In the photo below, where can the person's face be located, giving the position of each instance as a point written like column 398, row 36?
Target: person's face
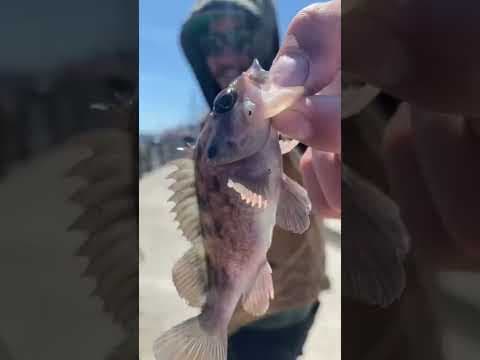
column 228, row 52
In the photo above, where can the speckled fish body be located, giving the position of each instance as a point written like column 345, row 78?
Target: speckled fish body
column 228, row 199
column 237, row 227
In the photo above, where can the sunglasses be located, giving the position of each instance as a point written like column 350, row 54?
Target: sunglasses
column 215, row 43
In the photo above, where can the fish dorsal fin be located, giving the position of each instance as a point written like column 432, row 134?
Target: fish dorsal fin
column 185, row 198
column 190, row 276
column 256, row 73
column 294, row 206
column 257, row 301
column 190, row 272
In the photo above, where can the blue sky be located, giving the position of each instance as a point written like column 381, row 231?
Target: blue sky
column 169, row 93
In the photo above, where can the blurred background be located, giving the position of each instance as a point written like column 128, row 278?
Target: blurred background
column 55, row 65
column 58, row 58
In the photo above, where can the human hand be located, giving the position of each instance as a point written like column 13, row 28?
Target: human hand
column 314, row 61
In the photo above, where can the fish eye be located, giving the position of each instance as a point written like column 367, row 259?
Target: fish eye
column 225, row 101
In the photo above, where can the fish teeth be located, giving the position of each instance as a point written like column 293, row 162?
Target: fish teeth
column 260, row 201
column 255, row 200
column 249, row 197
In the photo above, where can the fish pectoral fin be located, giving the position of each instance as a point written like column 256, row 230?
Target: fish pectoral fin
column 294, row 206
column 374, row 243
column 190, row 276
column 190, row 341
column 257, row 301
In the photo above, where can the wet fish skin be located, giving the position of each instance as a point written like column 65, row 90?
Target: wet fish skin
column 236, row 234
column 238, row 180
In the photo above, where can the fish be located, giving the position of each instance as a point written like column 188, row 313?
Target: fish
column 229, row 194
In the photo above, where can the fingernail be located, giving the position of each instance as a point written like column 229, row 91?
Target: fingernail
column 291, row 68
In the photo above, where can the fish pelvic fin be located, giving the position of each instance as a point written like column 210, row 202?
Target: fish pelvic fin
column 189, row 341
column 294, row 207
column 257, row 301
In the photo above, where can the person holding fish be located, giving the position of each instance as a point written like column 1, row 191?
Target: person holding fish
column 256, row 266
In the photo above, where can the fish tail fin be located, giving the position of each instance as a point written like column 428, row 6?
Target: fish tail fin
column 189, row 341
